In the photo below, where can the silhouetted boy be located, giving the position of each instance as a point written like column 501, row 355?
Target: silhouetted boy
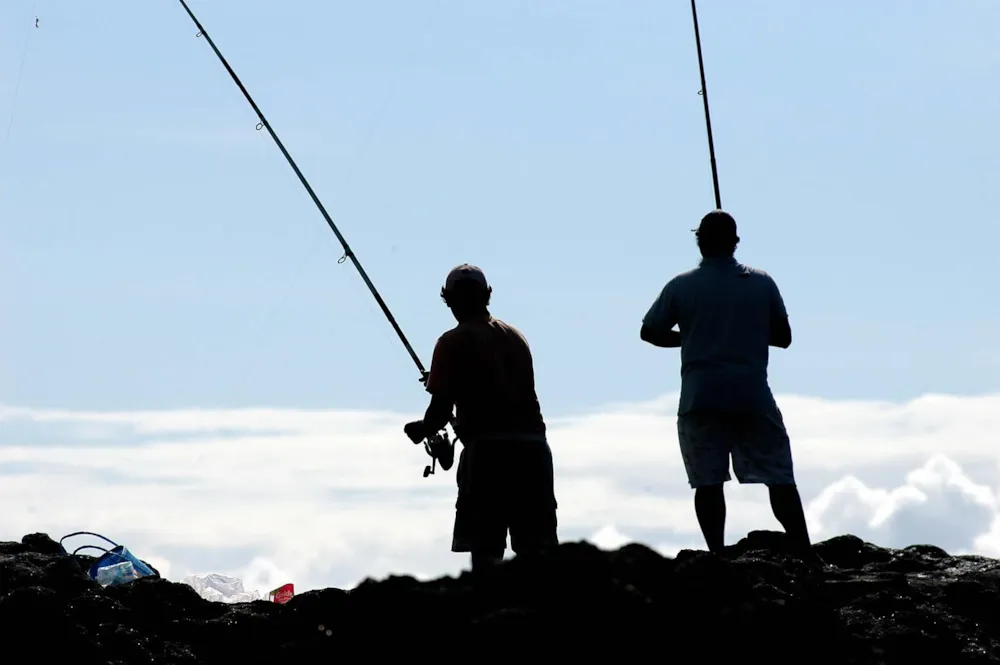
column 728, row 314
column 483, row 367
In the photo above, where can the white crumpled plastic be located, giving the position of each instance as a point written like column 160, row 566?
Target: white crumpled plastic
column 220, row 588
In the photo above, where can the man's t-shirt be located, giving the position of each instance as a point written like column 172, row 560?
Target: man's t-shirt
column 485, row 366
column 725, row 312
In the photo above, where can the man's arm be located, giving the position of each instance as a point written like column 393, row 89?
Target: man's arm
column 437, row 415
column 439, row 382
column 781, row 330
column 657, row 325
column 665, row 339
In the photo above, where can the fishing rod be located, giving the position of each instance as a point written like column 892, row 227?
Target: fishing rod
column 439, row 447
column 708, row 117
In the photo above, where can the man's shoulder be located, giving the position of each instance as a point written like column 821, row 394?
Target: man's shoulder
column 450, row 338
column 757, row 273
column 685, row 276
column 702, row 276
column 680, row 280
column 479, row 334
column 452, row 332
column 503, row 324
column 511, row 330
column 753, row 270
column 480, row 327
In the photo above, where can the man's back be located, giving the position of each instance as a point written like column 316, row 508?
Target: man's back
column 493, row 379
column 725, row 312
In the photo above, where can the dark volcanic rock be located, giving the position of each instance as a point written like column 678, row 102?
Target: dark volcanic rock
column 854, row 603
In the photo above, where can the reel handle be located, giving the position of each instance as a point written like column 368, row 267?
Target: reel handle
column 439, row 443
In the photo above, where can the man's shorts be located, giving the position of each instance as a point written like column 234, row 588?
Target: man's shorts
column 505, row 485
column 757, row 442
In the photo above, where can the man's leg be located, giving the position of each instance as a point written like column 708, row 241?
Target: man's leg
column 764, row 455
column 705, row 441
column 478, row 529
column 710, row 507
column 787, row 507
column 531, row 487
column 483, row 560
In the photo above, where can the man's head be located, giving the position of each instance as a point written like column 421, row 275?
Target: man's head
column 466, row 291
column 717, row 235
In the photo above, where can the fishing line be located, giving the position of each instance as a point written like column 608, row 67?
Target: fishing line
column 708, row 117
column 348, row 252
column 310, row 253
column 20, row 72
column 435, row 445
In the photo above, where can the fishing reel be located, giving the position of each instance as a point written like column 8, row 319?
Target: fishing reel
column 441, row 449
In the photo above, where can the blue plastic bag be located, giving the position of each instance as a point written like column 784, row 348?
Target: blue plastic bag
column 117, row 554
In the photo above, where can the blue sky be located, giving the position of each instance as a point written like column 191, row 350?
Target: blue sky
column 157, row 252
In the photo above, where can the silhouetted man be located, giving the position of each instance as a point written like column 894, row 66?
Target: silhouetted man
column 483, row 368
column 728, row 314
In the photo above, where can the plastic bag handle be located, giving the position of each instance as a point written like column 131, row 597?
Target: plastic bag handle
column 91, row 547
column 88, row 533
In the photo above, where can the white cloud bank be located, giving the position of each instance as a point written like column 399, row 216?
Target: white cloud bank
column 325, row 498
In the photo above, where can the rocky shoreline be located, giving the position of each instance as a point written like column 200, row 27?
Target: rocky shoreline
column 759, row 604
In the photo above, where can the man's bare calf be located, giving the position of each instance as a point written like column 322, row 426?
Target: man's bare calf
column 710, row 507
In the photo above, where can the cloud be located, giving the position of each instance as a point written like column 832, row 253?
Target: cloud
column 326, row 498
column 936, row 504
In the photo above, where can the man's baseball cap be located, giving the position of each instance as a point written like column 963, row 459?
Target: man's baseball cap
column 717, row 224
column 463, row 273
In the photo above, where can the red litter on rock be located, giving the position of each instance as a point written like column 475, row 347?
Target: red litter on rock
column 283, row 593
